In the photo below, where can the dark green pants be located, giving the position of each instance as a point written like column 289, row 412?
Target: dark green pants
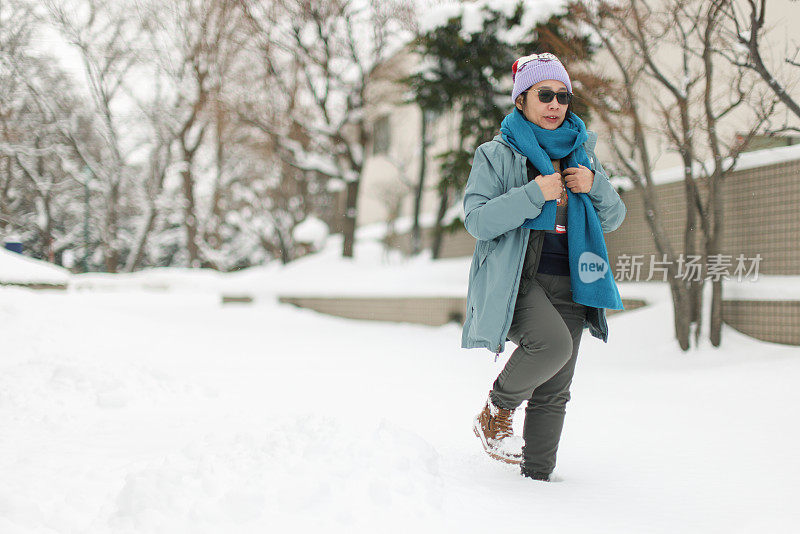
column 547, row 328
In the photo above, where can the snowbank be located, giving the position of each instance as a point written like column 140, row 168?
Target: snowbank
column 22, row 270
column 373, row 272
column 171, row 279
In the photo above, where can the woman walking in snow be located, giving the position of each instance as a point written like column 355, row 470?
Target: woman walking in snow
column 538, row 202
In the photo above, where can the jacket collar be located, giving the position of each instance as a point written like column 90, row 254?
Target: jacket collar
column 499, row 139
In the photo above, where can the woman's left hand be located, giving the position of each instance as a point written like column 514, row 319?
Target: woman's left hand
column 579, row 179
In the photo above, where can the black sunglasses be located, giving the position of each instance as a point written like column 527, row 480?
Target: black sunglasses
column 546, row 96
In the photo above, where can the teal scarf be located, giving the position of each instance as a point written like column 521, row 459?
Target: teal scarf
column 588, row 258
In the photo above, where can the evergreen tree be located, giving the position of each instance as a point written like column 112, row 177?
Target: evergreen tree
column 467, row 71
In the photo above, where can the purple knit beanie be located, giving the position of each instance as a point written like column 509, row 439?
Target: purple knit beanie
column 530, row 70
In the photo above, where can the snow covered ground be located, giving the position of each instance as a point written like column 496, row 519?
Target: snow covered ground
column 143, row 405
column 18, row 269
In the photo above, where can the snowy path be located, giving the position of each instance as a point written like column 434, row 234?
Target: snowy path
column 130, row 412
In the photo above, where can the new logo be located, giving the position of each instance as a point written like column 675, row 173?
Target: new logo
column 591, row 267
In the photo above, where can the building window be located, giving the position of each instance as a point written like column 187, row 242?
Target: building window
column 381, row 135
column 760, row 142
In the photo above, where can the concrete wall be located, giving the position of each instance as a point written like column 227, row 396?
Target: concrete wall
column 432, row 311
column 762, row 216
column 776, row 321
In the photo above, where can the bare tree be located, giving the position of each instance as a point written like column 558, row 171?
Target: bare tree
column 104, row 33
column 746, row 26
column 425, row 142
column 329, row 52
column 150, row 149
column 277, row 191
column 195, row 54
column 692, row 99
column 159, row 159
column 37, row 189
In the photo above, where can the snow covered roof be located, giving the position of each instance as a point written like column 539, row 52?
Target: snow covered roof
column 22, row 270
column 747, row 160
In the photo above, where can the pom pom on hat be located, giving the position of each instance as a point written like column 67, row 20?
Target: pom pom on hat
column 530, row 70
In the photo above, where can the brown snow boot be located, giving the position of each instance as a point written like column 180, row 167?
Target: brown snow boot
column 493, row 427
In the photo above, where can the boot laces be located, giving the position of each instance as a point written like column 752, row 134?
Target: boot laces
column 503, row 422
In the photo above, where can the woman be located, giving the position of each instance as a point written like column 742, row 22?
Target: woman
column 538, row 203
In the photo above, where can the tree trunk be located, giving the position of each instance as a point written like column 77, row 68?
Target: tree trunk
column 190, row 219
column 715, row 335
column 680, row 294
column 438, row 232
column 158, row 164
column 714, row 245
column 681, row 308
column 137, row 254
column 47, row 229
column 695, row 289
column 349, row 220
column 416, row 233
column 111, row 231
column 6, row 184
column 286, row 256
column 355, row 164
column 214, row 236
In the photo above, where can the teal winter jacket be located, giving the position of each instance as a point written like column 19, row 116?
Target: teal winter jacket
column 497, row 200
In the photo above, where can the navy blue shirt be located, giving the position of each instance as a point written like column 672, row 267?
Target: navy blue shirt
column 555, row 249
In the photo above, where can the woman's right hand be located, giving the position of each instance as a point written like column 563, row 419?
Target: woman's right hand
column 551, row 185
